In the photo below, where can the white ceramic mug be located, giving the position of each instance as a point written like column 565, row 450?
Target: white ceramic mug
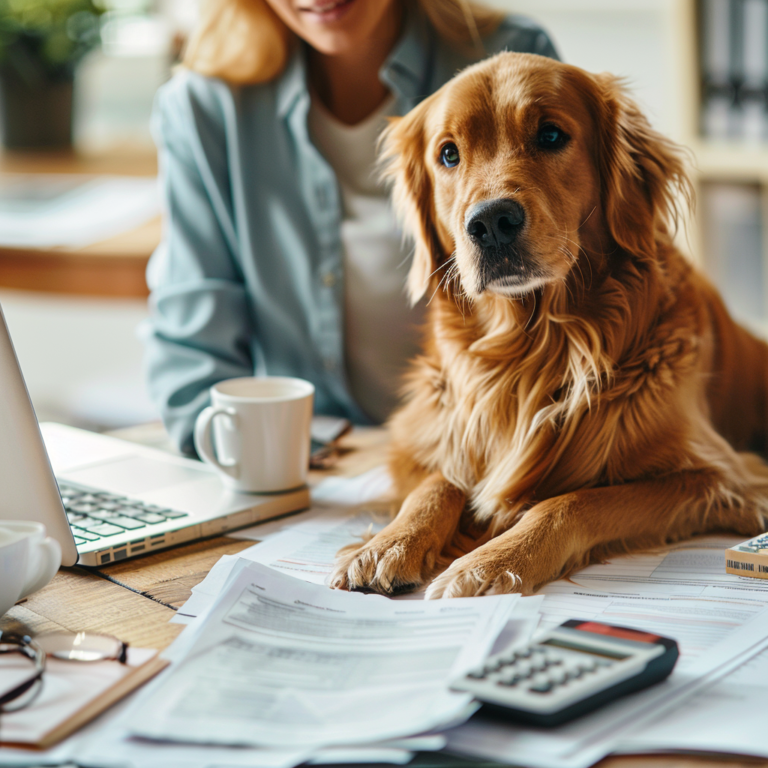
column 260, row 427
column 28, row 560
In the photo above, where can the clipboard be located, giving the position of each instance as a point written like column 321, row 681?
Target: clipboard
column 73, row 694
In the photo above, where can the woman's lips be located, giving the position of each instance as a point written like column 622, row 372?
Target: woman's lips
column 326, row 12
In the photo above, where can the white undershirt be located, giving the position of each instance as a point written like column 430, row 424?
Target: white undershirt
column 381, row 330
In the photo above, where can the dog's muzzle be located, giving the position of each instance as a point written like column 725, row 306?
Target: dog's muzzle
column 494, row 226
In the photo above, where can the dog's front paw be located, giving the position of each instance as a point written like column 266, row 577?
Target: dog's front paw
column 388, row 563
column 469, row 576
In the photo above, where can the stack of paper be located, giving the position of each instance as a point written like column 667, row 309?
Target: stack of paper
column 282, row 663
column 275, row 669
column 719, row 621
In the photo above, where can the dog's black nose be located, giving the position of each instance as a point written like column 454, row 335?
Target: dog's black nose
column 495, row 223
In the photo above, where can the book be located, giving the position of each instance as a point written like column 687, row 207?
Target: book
column 750, row 558
column 73, row 694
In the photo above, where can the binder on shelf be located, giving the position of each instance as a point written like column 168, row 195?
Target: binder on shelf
column 752, row 97
column 734, row 69
column 716, row 58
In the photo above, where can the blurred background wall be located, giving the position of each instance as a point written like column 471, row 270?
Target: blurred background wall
column 82, row 356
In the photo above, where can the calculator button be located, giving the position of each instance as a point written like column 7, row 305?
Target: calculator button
column 603, row 663
column 476, row 674
column 526, row 674
column 544, row 687
column 510, row 682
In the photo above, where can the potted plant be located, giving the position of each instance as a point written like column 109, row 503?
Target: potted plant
column 41, row 43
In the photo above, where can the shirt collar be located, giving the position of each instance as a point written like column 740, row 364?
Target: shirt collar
column 407, row 68
column 405, row 72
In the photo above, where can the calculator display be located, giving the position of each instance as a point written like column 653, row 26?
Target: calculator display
column 623, row 633
column 573, row 646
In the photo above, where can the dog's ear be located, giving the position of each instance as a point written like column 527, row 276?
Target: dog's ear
column 402, row 163
column 644, row 183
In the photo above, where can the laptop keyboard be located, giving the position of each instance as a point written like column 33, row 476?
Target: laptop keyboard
column 95, row 515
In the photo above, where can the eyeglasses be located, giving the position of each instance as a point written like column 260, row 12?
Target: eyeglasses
column 67, row 646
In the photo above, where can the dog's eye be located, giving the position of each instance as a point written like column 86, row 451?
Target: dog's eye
column 551, row 137
column 449, row 155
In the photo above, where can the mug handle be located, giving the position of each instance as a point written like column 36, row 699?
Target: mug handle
column 50, row 556
column 204, row 444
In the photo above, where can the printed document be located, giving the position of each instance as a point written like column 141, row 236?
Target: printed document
column 282, row 663
column 726, row 717
column 304, row 547
column 695, row 567
column 716, row 632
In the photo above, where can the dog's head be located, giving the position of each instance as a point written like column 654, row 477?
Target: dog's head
column 520, row 165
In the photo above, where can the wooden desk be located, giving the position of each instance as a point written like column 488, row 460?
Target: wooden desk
column 112, row 268
column 134, row 600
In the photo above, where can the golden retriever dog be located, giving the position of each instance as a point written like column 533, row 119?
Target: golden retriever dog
column 582, row 389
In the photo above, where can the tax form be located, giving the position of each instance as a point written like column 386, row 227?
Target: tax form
column 695, row 567
column 728, row 717
column 717, row 629
column 282, row 663
column 305, row 546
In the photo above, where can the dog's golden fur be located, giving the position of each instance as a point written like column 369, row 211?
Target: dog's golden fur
column 600, row 399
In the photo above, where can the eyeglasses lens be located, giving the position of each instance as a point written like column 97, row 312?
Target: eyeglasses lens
column 22, row 661
column 82, row 646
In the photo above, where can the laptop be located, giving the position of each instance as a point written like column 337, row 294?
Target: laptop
column 105, row 499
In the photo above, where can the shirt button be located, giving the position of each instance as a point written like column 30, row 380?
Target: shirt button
column 329, row 279
column 329, row 364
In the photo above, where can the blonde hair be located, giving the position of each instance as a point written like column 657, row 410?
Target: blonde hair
column 244, row 41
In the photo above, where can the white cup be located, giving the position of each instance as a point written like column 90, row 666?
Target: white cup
column 28, row 560
column 260, row 427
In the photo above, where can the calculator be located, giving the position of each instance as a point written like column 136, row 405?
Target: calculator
column 570, row 671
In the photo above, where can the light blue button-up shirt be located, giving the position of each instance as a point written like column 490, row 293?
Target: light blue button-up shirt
column 249, row 276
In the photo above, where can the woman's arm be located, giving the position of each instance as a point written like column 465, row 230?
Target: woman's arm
column 200, row 327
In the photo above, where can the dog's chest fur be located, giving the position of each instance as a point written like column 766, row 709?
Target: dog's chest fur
column 513, row 415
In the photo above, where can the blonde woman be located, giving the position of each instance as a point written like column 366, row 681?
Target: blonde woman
column 280, row 253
